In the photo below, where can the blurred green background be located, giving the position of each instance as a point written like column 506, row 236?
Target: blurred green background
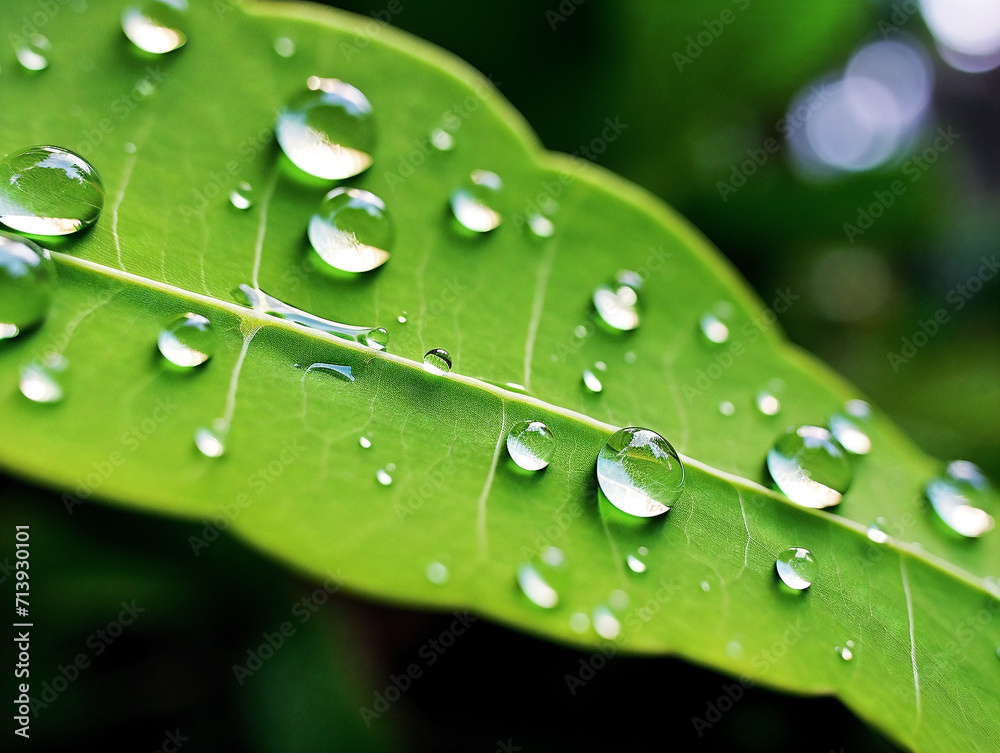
column 697, row 92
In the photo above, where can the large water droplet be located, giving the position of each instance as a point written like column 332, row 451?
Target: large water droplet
column 375, row 338
column 715, row 324
column 27, row 281
column 241, row 197
column 328, row 131
column 797, row 568
column 187, row 341
column 959, row 497
column 437, row 573
column 809, row 466
column 617, row 304
column 32, row 52
column 38, row 379
column 48, row 190
column 211, row 440
column 531, row 445
column 640, row 472
column 437, row 361
column 474, row 204
column 156, row 26
column 351, row 230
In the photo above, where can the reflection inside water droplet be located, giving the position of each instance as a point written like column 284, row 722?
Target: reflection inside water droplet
column 437, row 361
column 38, row 379
column 383, row 477
column 809, row 466
column 474, row 204
column 156, row 26
column 959, row 499
column 351, row 231
column 797, row 568
column 241, row 197
column 531, row 445
column 640, row 472
column 27, row 284
column 211, row 440
column 187, row 341
column 32, row 51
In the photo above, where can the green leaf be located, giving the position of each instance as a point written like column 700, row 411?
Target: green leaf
column 294, row 480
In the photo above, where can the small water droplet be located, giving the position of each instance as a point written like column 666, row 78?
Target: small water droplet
column 635, row 564
column 876, row 531
column 606, row 624
column 474, row 204
column 768, row 403
column 715, row 324
column 328, row 131
column 959, row 497
column 630, row 357
column 591, row 381
column 629, row 278
column 442, row 140
column 48, row 190
column 734, row 650
column 129, row 147
column 553, row 556
column 618, row 599
column 531, row 445
column 284, row 46
column 27, row 283
column 365, row 442
column 639, row 472
column 437, row 573
column 536, row 587
column 580, row 622
column 705, row 586
column 437, row 361
column 156, row 26
column 858, row 409
column 810, row 467
column 401, row 318
column 38, row 379
column 340, row 371
column 241, row 197
column 726, row 408
column 797, row 568
column 617, row 305
column 211, row 440
column 541, row 226
column 845, row 652
column 383, row 477
column 32, row 52
column 847, row 431
column 187, row 341
column 351, row 231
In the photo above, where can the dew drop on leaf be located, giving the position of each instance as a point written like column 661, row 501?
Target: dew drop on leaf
column 156, row 26
column 635, row 564
column 39, row 381
column 241, row 197
column 365, row 442
column 849, row 433
column 846, row 652
column 32, row 51
column 328, row 131
column 705, row 586
column 211, row 440
column 474, row 204
column 640, row 472
column 715, row 324
column 351, row 231
column 284, row 46
column 535, row 585
column 437, row 573
column 606, row 624
column 726, row 408
column 437, row 361
column 442, row 140
column 48, row 190
column 810, row 467
column 383, row 477
column 541, row 226
column 959, row 497
column 876, row 531
column 796, row 567
column 531, row 445
column 591, row 381
column 187, row 341
column 768, row 403
column 617, row 305
column 27, row 282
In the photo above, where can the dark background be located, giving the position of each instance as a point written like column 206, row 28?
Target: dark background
column 172, row 670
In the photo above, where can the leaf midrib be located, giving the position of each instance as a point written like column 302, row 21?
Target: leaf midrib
column 260, row 319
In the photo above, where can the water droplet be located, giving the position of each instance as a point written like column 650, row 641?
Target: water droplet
column 579, row 622
column 383, row 477
column 129, row 147
column 541, row 226
column 536, row 587
column 531, row 445
column 187, row 341
column 328, row 131
column 959, row 497
column 437, row 361
column 553, row 556
column 705, row 586
column 617, row 305
column 640, row 472
column 340, row 371
column 726, row 408
column 442, row 140
column 618, row 599
column 629, row 278
column 241, row 197
column 768, row 403
column 845, row 652
column 591, row 382
column 797, row 568
column 401, row 318
column 849, row 434
column 156, row 26
column 580, row 331
column 437, row 573
column 32, row 52
column 211, row 440
column 38, row 379
column 27, row 282
column 715, row 324
column 630, row 357
column 858, row 409
column 606, row 624
column 284, row 46
column 475, row 203
column 635, row 564
column 365, row 442
column 810, row 467
column 48, row 190
column 375, row 338
column 734, row 650
column 351, row 230
column 876, row 531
